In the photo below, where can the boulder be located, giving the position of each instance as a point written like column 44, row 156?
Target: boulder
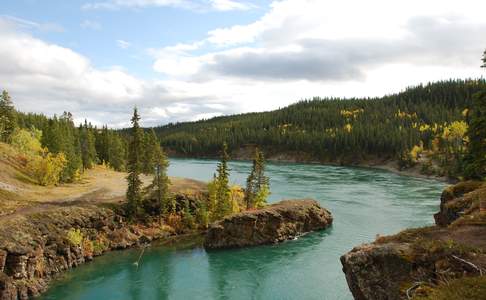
column 275, row 223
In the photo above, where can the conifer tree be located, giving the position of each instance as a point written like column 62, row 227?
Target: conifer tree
column 151, row 147
column 88, row 147
column 475, row 160
column 223, row 193
column 161, row 182
column 134, row 193
column 484, row 60
column 116, row 152
column 8, row 117
column 257, row 184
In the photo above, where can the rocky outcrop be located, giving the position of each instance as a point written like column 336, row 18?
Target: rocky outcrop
column 369, row 268
column 455, row 201
column 418, row 262
column 34, row 248
column 275, row 223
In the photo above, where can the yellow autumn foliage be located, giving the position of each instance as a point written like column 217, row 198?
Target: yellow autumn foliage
column 47, row 169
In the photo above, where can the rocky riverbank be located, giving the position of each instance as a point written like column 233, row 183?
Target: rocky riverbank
column 425, row 263
column 36, row 247
column 275, row 223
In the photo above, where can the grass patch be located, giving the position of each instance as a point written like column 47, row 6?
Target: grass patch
column 467, row 288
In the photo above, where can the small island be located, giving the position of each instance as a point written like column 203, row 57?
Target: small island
column 275, row 223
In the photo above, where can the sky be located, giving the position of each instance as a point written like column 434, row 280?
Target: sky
column 185, row 60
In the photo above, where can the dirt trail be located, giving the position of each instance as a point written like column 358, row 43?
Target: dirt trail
column 99, row 185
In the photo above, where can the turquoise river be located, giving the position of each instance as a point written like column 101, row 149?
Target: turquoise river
column 364, row 203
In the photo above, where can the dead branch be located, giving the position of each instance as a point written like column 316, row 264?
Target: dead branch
column 469, row 264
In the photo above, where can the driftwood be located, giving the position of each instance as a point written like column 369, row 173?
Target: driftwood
column 469, row 264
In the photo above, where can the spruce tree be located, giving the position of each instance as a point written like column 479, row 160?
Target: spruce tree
column 134, row 193
column 484, row 60
column 116, row 152
column 8, row 117
column 223, row 194
column 475, row 161
column 161, row 182
column 151, row 147
column 88, row 147
column 257, row 184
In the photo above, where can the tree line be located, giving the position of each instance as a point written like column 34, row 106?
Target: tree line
column 340, row 130
column 60, row 151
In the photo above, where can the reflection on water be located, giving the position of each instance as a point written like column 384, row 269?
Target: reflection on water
column 364, row 203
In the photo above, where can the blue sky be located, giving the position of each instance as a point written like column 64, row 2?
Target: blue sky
column 95, row 32
column 181, row 60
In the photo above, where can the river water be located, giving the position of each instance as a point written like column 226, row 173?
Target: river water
column 364, row 203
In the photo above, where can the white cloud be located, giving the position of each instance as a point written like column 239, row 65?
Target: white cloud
column 90, row 24
column 226, row 5
column 50, row 79
column 27, row 24
column 123, row 44
column 196, row 5
column 321, row 41
column 298, row 49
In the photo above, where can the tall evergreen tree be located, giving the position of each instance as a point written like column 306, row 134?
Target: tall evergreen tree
column 475, row 160
column 223, row 193
column 8, row 117
column 151, row 147
column 161, row 182
column 484, row 60
column 257, row 184
column 69, row 145
column 134, row 193
column 116, row 152
column 88, row 147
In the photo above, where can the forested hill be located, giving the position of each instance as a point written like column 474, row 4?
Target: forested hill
column 334, row 129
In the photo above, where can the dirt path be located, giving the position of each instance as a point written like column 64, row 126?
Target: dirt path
column 97, row 186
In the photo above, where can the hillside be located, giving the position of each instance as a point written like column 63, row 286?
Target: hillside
column 19, row 194
column 333, row 129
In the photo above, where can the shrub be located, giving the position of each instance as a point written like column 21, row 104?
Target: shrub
column 27, row 142
column 75, row 237
column 100, row 245
column 46, row 170
column 175, row 221
column 88, row 247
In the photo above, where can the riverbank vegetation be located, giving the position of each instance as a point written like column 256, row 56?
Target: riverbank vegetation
column 222, row 199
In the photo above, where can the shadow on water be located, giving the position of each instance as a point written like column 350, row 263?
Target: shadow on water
column 243, row 273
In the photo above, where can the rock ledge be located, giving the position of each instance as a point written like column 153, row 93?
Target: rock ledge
column 275, row 223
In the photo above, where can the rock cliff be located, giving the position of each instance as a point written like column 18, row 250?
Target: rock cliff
column 275, row 223
column 426, row 262
column 35, row 247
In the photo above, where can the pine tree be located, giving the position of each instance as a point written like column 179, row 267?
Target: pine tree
column 151, row 147
column 484, row 60
column 250, row 187
column 257, row 184
column 8, row 117
column 223, row 193
column 134, row 193
column 475, row 161
column 116, row 152
column 69, row 145
column 88, row 147
column 161, row 182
